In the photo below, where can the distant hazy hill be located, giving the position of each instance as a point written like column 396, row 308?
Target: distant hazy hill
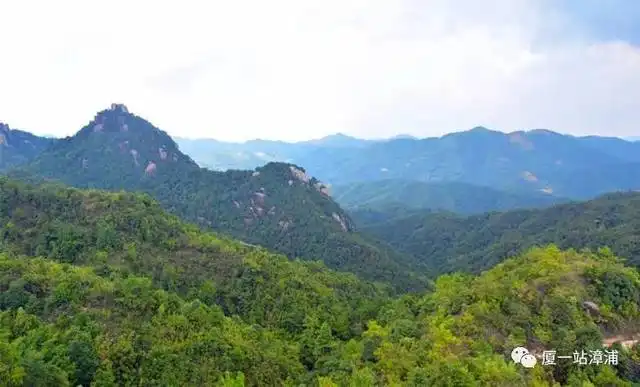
column 219, row 155
column 532, row 161
column 277, row 206
column 448, row 242
column 456, row 197
column 18, row 147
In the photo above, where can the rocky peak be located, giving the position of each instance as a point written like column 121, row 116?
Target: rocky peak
column 119, row 107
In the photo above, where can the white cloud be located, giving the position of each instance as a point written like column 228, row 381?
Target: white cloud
column 291, row 69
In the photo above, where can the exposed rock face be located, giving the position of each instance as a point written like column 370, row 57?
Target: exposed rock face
column 255, row 174
column 85, row 163
column 235, row 203
column 290, row 182
column 300, row 175
column 134, row 154
column 322, row 188
column 151, row 168
column 4, row 134
column 591, row 307
column 163, row 153
column 284, row 224
column 259, row 197
column 339, row 219
column 119, row 107
column 124, row 128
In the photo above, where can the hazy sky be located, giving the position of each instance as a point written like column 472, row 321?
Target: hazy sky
column 299, row 69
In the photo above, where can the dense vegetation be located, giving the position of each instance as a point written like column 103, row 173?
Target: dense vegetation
column 448, row 242
column 122, row 233
column 277, row 206
column 63, row 325
column 456, row 197
column 107, row 288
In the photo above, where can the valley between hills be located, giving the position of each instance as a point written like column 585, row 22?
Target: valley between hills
column 132, row 258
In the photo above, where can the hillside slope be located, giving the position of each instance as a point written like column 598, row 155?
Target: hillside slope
column 447, row 242
column 462, row 333
column 119, row 234
column 63, row 325
column 18, row 147
column 277, row 206
column 448, row 196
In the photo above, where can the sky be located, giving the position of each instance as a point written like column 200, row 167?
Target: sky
column 294, row 70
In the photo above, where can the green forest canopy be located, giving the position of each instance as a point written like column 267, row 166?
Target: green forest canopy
column 124, row 294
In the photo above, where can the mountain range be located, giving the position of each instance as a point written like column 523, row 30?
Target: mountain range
column 278, row 205
column 523, row 162
column 151, row 270
column 448, row 242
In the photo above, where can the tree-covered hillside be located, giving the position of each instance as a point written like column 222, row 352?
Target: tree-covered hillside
column 63, row 325
column 18, row 147
column 448, row 242
column 456, row 197
column 124, row 294
column 123, row 233
column 277, row 206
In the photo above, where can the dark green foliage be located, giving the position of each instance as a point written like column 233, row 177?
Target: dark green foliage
column 276, row 206
column 176, row 306
column 124, row 233
column 447, row 242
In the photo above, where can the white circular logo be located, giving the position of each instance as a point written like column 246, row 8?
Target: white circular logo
column 518, row 353
column 528, row 361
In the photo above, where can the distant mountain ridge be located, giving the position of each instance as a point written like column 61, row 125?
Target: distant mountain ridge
column 523, row 161
column 278, row 206
column 18, row 147
column 455, row 197
column 448, row 242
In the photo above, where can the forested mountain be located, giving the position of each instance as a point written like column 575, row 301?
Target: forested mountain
column 449, row 242
column 277, row 206
column 525, row 161
column 456, row 197
column 124, row 294
column 18, row 147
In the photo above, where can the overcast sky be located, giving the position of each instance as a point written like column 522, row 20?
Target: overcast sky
column 297, row 69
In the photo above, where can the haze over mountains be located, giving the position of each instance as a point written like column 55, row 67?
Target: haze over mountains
column 527, row 164
column 410, row 216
